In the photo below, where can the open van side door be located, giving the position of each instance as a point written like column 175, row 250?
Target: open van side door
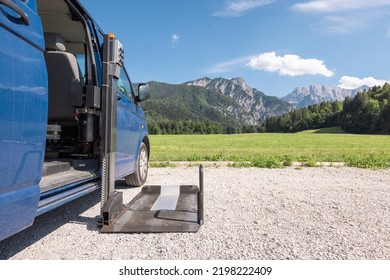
column 23, row 114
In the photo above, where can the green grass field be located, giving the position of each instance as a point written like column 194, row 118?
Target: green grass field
column 274, row 150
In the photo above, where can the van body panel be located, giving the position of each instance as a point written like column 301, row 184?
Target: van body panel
column 23, row 117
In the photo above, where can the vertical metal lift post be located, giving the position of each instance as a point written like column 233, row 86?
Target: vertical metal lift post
column 166, row 208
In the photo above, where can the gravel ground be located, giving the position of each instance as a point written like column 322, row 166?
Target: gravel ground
column 250, row 213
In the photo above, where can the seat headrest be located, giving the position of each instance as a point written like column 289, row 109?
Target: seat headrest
column 55, row 42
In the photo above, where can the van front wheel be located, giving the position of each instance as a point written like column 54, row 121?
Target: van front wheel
column 138, row 178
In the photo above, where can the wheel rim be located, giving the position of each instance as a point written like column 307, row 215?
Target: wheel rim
column 143, row 163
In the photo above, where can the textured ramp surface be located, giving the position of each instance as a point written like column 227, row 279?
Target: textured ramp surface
column 160, row 209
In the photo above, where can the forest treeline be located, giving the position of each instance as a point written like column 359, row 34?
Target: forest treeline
column 367, row 112
column 199, row 127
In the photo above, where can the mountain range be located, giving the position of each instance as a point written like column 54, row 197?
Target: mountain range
column 255, row 106
column 230, row 101
column 302, row 97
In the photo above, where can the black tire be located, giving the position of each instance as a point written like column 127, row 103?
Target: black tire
column 138, row 178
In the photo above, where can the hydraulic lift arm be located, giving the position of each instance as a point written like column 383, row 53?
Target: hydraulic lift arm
column 161, row 208
column 111, row 201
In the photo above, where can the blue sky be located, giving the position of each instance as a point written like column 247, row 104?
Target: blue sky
column 275, row 45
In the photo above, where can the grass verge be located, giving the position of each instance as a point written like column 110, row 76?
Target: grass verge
column 274, row 150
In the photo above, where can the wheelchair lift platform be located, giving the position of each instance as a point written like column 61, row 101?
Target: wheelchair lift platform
column 165, row 208
column 156, row 208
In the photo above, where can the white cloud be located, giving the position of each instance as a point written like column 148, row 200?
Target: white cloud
column 343, row 24
column 343, row 16
column 289, row 65
column 235, row 8
column 330, row 6
column 354, row 82
column 175, row 39
column 227, row 66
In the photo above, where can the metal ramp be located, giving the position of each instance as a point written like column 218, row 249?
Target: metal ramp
column 166, row 208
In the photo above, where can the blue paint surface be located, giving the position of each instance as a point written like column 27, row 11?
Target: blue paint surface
column 23, row 117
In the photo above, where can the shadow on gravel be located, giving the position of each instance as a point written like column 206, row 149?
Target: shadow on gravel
column 52, row 220
column 121, row 185
column 49, row 222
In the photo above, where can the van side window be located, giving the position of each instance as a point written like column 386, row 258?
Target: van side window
column 124, row 85
column 82, row 65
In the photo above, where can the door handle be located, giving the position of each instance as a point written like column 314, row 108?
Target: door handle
column 10, row 4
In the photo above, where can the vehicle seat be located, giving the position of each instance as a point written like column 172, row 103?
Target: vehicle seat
column 65, row 82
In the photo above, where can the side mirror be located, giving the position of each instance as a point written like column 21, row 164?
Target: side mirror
column 143, row 93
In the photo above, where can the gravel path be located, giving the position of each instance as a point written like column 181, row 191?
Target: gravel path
column 308, row 213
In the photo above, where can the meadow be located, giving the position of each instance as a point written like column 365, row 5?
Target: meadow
column 274, row 150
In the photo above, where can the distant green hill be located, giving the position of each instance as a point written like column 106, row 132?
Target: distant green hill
column 178, row 102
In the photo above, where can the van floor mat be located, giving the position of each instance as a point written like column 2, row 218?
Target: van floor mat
column 166, row 208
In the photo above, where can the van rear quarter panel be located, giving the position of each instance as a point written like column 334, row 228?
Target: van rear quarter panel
column 23, row 117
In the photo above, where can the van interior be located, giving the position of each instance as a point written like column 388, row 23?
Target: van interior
column 71, row 145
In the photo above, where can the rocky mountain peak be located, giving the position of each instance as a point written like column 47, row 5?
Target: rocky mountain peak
column 302, row 97
column 203, row 82
column 239, row 81
column 256, row 106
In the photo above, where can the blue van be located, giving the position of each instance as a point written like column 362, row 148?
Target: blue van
column 52, row 86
